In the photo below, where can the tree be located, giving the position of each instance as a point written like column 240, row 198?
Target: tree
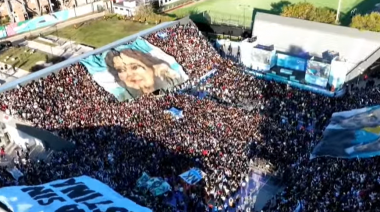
column 307, row 11
column 144, row 11
column 277, row 7
column 370, row 22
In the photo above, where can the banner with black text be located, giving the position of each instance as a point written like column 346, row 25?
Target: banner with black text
column 79, row 194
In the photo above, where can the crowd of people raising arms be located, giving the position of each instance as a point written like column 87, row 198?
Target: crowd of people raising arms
column 220, row 139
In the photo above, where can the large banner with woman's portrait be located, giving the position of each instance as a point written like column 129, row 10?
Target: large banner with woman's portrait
column 132, row 70
column 351, row 134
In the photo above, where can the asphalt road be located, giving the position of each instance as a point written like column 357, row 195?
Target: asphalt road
column 60, row 25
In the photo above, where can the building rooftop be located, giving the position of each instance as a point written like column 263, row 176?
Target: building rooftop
column 297, row 36
column 316, row 26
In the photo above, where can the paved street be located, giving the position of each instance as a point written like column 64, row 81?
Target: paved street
column 9, row 74
column 66, row 48
column 69, row 49
column 59, row 26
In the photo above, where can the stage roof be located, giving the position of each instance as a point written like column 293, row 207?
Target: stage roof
column 295, row 36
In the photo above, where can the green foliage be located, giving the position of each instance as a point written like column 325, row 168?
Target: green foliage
column 309, row 12
column 370, row 22
column 277, row 7
column 147, row 14
column 5, row 20
column 107, row 30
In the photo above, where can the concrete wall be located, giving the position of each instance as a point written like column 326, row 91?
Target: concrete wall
column 55, row 68
column 166, row 2
column 22, row 132
column 89, row 8
column 22, row 139
column 84, row 2
column 122, row 10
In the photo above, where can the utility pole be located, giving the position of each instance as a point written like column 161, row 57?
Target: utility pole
column 50, row 7
column 24, row 8
column 56, row 30
column 10, row 11
column 338, row 11
column 244, row 6
column 51, row 50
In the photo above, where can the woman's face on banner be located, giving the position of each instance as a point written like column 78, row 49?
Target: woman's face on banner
column 135, row 74
column 137, row 77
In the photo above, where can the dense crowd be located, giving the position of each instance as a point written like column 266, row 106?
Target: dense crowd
column 220, row 139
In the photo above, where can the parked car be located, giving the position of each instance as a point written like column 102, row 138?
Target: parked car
column 5, row 44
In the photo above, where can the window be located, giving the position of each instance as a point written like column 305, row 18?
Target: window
column 116, row 8
column 121, row 9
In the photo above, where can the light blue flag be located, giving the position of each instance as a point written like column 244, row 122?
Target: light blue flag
column 158, row 186
column 299, row 207
column 176, row 113
column 192, row 176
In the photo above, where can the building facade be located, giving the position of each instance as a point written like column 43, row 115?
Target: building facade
column 126, row 7
column 21, row 10
column 166, row 2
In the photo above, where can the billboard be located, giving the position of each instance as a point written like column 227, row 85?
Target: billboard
column 317, row 73
column 36, row 23
column 273, row 59
column 82, row 193
column 338, row 73
column 255, row 58
column 132, row 70
column 351, row 134
column 290, row 62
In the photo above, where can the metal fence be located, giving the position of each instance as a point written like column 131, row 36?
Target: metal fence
column 175, row 5
column 219, row 18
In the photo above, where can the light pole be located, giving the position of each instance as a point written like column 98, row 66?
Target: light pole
column 51, row 50
column 244, row 6
column 71, row 43
column 338, row 11
column 56, row 30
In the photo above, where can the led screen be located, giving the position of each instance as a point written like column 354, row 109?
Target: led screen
column 317, row 73
column 290, row 62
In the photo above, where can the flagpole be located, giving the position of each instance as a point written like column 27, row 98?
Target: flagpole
column 338, row 11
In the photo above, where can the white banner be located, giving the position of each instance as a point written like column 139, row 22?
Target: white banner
column 80, row 194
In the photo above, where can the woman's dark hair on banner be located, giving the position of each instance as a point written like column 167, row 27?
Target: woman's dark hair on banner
column 140, row 73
